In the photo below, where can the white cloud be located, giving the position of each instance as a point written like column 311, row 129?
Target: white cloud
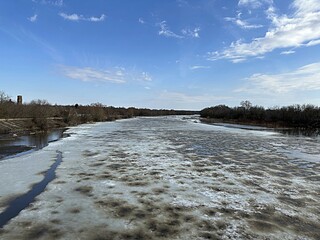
column 306, row 6
column 193, row 33
column 243, row 23
column 145, row 77
column 87, row 74
column 253, row 3
column 182, row 3
column 71, row 17
column 97, row 19
column 302, row 79
column 57, row 3
column 112, row 75
column 199, row 67
column 165, row 31
column 185, row 33
column 141, row 21
column 76, row 17
column 287, row 52
column 313, row 43
column 33, row 18
column 301, row 29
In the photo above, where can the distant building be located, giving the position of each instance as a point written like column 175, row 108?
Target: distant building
column 19, row 99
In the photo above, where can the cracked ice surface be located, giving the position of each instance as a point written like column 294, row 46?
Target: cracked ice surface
column 169, row 178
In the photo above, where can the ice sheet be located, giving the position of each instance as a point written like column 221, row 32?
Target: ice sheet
column 168, row 178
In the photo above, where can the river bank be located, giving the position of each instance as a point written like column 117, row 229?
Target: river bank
column 263, row 126
column 24, row 126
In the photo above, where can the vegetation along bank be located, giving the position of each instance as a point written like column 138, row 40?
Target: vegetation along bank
column 295, row 116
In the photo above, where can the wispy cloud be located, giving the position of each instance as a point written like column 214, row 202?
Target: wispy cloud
column 111, row 75
column 165, row 31
column 146, row 77
column 140, row 20
column 253, row 3
column 199, row 67
column 33, row 18
column 71, row 17
column 185, row 33
column 88, row 74
column 182, row 3
column 305, row 78
column 96, row 19
column 57, row 3
column 301, row 29
column 193, row 33
column 287, row 52
column 242, row 23
column 24, row 36
column 76, row 17
column 43, row 44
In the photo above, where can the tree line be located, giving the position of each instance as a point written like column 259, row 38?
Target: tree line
column 305, row 116
column 41, row 113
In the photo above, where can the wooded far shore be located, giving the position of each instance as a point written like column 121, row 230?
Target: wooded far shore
column 39, row 115
column 294, row 116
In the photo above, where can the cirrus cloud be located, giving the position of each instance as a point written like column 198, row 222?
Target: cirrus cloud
column 185, row 33
column 165, row 31
column 76, row 17
column 33, row 18
column 88, row 74
column 118, row 75
column 56, row 3
column 301, row 29
column 254, row 3
column 199, row 67
column 242, row 23
column 305, row 78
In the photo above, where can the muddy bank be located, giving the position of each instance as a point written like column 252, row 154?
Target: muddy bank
column 24, row 126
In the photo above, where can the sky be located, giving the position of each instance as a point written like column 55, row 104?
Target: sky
column 172, row 54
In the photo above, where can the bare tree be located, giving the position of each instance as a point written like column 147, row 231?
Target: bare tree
column 246, row 104
column 4, row 97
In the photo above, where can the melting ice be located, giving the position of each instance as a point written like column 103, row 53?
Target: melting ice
column 168, row 178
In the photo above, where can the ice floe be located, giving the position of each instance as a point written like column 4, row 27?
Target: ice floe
column 167, row 178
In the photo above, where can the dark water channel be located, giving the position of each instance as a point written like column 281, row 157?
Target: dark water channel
column 21, row 202
column 11, row 146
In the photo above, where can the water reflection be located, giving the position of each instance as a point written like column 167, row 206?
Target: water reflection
column 22, row 144
column 295, row 132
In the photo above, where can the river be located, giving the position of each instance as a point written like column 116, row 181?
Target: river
column 11, row 146
column 168, row 178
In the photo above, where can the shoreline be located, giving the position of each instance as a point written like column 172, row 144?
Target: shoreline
column 12, row 151
column 15, row 145
column 251, row 125
column 26, row 126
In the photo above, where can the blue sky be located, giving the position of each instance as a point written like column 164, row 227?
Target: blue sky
column 175, row 54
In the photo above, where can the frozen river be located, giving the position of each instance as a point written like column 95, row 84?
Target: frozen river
column 167, row 178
